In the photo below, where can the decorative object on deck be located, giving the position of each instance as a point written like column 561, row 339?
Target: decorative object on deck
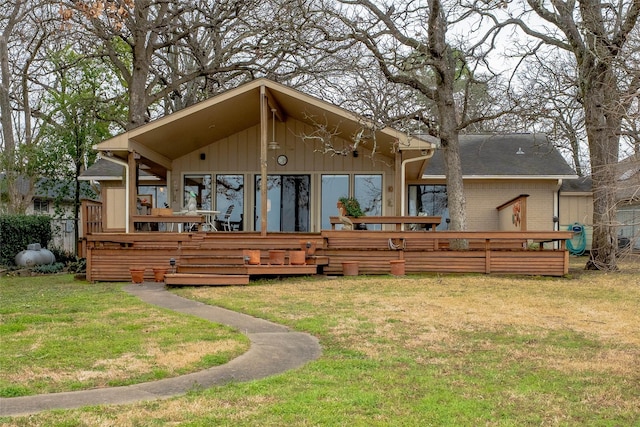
column 397, row 267
column 309, row 246
column 137, row 274
column 192, row 204
column 397, row 244
column 276, row 257
column 251, row 256
column 159, row 273
column 348, row 208
column 297, row 257
column 350, row 268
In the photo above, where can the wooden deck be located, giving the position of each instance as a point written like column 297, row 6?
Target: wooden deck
column 220, row 255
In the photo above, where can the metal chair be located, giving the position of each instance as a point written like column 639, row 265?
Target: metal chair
column 225, row 222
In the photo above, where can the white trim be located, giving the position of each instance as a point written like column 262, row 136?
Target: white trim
column 511, row 177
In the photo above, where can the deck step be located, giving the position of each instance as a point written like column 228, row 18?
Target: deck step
column 252, row 270
column 191, row 279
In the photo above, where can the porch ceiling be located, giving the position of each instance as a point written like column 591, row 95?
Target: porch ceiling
column 202, row 124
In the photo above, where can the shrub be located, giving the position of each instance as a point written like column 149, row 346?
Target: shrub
column 49, row 268
column 18, row 231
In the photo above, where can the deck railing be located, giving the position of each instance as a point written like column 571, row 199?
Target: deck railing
column 91, row 217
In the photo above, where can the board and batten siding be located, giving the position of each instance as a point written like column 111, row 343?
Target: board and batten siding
column 484, row 196
column 240, row 154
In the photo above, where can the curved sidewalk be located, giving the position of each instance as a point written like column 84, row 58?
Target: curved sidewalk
column 274, row 349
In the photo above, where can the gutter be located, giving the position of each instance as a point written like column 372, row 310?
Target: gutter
column 403, row 173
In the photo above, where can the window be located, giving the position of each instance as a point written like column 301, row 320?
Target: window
column 200, row 185
column 230, row 191
column 430, row 200
column 333, row 187
column 40, row 206
column 368, row 191
column 158, row 194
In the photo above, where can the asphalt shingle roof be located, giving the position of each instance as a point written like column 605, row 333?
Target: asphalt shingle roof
column 525, row 155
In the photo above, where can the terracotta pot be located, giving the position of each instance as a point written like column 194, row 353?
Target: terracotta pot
column 350, row 268
column 309, row 246
column 137, row 274
column 397, row 267
column 159, row 272
column 297, row 257
column 276, row 257
column 251, row 256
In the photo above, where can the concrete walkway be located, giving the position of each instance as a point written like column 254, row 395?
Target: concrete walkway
column 274, row 349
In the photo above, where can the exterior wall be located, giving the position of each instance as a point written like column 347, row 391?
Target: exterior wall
column 114, row 205
column 577, row 207
column 484, row 196
column 240, row 154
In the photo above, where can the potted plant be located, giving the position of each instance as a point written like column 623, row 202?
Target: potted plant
column 350, row 207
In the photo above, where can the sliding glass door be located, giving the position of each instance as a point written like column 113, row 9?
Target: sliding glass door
column 287, row 203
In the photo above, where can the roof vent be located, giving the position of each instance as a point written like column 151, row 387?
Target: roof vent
column 519, row 151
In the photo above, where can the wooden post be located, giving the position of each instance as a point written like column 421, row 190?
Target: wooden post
column 264, row 122
column 133, row 189
column 487, row 256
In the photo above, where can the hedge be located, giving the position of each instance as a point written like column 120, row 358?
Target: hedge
column 18, row 231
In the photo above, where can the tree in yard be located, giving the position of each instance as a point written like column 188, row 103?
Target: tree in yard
column 178, row 53
column 78, row 111
column 24, row 29
column 602, row 37
column 411, row 45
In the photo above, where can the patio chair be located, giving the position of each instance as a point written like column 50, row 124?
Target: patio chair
column 224, row 222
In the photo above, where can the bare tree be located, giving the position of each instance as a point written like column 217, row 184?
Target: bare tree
column 411, row 46
column 179, row 53
column 26, row 26
column 597, row 34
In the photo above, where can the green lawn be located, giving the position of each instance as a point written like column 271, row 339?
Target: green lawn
column 424, row 350
column 58, row 334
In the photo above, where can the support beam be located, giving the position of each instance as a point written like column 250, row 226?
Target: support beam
column 264, row 123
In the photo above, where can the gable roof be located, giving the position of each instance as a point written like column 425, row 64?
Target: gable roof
column 220, row 116
column 522, row 156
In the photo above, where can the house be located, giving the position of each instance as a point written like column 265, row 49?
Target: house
column 271, row 162
column 511, row 182
column 309, row 153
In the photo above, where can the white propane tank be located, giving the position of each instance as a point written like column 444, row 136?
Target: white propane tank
column 34, row 255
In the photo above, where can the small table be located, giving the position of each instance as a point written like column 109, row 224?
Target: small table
column 209, row 219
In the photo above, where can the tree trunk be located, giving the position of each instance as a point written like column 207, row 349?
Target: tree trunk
column 601, row 124
column 7, row 124
column 599, row 88
column 445, row 78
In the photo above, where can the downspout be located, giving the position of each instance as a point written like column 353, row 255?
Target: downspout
column 403, row 195
column 126, row 186
column 556, row 207
column 556, row 212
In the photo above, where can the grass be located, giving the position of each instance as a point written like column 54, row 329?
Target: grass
column 425, row 350
column 61, row 335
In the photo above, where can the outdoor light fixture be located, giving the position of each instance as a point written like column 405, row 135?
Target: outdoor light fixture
column 273, row 144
